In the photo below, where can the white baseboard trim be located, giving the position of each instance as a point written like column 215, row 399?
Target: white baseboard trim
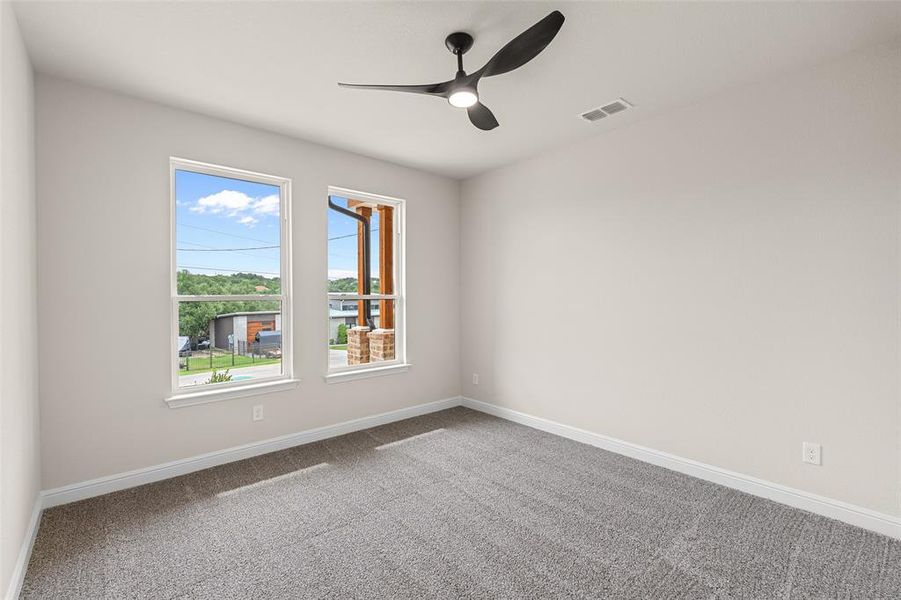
column 121, row 481
column 18, row 574
column 827, row 507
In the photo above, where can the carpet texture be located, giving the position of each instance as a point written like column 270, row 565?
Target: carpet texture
column 455, row 504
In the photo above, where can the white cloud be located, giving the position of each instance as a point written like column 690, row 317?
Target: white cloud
column 227, row 201
column 237, row 205
column 267, row 206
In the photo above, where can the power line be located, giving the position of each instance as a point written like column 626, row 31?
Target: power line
column 244, row 237
column 229, row 270
column 341, row 237
column 269, row 259
column 234, row 235
column 224, row 249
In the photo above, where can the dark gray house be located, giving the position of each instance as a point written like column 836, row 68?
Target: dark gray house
column 236, row 331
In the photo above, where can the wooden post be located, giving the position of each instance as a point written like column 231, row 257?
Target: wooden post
column 386, row 265
column 366, row 212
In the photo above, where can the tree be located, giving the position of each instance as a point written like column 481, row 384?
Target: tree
column 194, row 317
column 348, row 285
column 342, row 334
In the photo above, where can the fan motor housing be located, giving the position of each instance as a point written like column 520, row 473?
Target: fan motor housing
column 458, row 42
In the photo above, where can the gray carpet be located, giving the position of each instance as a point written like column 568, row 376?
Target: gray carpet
column 454, row 504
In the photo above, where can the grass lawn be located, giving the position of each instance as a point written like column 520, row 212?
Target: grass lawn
column 200, row 364
column 338, row 347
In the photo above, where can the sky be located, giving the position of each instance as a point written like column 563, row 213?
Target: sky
column 342, row 243
column 228, row 225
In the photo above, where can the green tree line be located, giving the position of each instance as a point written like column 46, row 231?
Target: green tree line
column 194, row 317
column 348, row 285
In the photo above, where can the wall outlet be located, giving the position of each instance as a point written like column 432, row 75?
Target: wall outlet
column 810, row 453
column 475, row 378
column 258, row 412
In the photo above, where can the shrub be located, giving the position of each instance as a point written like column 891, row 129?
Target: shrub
column 342, row 334
column 217, row 377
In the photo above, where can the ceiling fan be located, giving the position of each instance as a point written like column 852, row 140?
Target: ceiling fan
column 462, row 91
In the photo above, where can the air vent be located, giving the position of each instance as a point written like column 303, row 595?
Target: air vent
column 610, row 108
column 614, row 107
column 594, row 115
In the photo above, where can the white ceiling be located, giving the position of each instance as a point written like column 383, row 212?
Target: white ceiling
column 275, row 65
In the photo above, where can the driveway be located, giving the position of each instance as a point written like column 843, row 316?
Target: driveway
column 237, row 373
column 337, row 358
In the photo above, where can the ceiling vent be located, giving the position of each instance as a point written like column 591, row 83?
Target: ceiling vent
column 611, row 108
column 594, row 115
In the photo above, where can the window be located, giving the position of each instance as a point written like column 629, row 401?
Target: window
column 365, row 291
column 231, row 287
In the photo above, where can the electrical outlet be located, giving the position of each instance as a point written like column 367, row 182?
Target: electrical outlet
column 258, row 412
column 475, row 378
column 810, row 453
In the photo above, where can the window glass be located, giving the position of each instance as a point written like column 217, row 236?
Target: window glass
column 378, row 345
column 227, row 235
column 364, row 324
column 231, row 304
column 220, row 342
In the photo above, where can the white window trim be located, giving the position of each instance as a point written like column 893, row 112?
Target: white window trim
column 399, row 364
column 384, row 368
column 254, row 388
column 187, row 396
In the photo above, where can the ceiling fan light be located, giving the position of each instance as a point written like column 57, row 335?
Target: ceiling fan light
column 463, row 98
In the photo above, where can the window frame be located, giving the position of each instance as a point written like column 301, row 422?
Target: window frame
column 188, row 395
column 399, row 364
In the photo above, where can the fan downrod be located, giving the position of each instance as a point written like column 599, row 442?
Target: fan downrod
column 458, row 42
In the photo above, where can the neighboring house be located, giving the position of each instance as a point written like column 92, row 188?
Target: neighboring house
column 345, row 311
column 236, row 331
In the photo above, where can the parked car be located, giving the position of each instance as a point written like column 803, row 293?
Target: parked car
column 268, row 343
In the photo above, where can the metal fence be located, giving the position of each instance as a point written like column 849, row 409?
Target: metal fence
column 241, row 354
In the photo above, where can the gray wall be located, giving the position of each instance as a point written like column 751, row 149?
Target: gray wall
column 19, row 445
column 103, row 163
column 737, row 262
column 224, row 327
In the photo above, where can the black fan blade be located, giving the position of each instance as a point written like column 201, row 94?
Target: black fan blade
column 430, row 89
column 524, row 47
column 482, row 117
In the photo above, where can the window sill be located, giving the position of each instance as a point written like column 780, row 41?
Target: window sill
column 208, row 396
column 342, row 376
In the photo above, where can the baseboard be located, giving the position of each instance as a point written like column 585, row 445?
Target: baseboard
column 827, row 507
column 114, row 483
column 18, row 574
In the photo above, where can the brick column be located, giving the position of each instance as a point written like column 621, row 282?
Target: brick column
column 358, row 345
column 381, row 344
